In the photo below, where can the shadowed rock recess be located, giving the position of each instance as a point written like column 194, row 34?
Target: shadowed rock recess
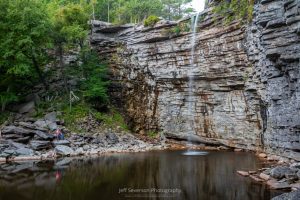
column 246, row 78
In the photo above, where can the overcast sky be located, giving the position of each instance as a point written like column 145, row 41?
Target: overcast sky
column 198, row 5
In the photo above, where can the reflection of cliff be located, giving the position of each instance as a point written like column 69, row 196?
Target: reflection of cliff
column 235, row 88
column 198, row 177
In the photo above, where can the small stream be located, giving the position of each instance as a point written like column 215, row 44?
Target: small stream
column 149, row 175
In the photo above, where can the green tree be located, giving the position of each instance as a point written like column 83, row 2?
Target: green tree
column 176, row 9
column 24, row 39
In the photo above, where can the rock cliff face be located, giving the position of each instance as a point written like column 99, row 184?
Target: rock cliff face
column 238, row 71
column 273, row 45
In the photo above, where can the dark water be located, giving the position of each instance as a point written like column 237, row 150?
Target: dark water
column 133, row 176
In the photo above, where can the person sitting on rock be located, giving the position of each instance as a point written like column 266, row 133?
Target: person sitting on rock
column 59, row 134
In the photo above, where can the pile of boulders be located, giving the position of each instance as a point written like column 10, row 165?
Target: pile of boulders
column 279, row 177
column 35, row 139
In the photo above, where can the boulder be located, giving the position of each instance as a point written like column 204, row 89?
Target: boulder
column 50, row 117
column 40, row 145
column 63, row 150
column 45, row 124
column 61, row 142
column 279, row 172
column 289, row 196
column 26, row 107
column 44, row 136
column 24, row 152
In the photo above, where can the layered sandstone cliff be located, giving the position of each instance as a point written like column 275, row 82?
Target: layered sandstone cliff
column 236, row 77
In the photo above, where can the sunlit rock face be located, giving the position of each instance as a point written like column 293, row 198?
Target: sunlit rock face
column 235, row 78
column 273, row 43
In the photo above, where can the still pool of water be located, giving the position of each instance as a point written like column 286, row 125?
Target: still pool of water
column 150, row 175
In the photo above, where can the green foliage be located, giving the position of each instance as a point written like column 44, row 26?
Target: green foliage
column 151, row 20
column 152, row 134
column 135, row 11
column 95, row 81
column 235, row 10
column 180, row 28
column 112, row 119
column 24, row 38
column 4, row 116
column 176, row 9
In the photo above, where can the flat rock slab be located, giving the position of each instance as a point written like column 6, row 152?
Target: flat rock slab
column 44, row 136
column 40, row 145
column 61, row 142
column 243, row 173
column 274, row 184
column 64, row 150
column 15, row 130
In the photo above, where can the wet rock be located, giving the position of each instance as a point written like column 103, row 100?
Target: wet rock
column 274, row 184
column 264, row 176
column 279, row 172
column 289, row 196
column 64, row 161
column 61, row 142
column 262, row 155
column 40, row 145
column 243, row 173
column 64, row 150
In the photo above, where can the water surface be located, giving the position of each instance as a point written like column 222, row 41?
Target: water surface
column 150, row 175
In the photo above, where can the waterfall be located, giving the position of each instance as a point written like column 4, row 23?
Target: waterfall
column 191, row 96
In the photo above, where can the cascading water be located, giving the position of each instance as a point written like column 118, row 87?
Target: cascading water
column 191, row 79
column 191, row 95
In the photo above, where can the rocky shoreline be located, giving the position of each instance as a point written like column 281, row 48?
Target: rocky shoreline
column 34, row 140
column 282, row 174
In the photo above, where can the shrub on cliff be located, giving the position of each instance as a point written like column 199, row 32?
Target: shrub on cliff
column 235, row 10
column 151, row 20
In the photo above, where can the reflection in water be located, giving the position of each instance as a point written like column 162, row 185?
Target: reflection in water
column 154, row 175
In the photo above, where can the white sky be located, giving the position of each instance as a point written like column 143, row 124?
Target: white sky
column 198, row 5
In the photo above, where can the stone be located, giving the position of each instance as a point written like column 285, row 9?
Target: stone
column 50, row 117
column 112, row 138
column 279, row 172
column 61, row 142
column 26, row 107
column 40, row 145
column 288, row 196
column 44, row 136
column 24, row 152
column 274, row 184
column 262, row 155
column 15, row 130
column 295, row 166
column 256, row 178
column 264, row 176
column 243, row 173
column 63, row 150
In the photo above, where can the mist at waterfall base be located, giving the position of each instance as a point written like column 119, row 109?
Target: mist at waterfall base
column 134, row 176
